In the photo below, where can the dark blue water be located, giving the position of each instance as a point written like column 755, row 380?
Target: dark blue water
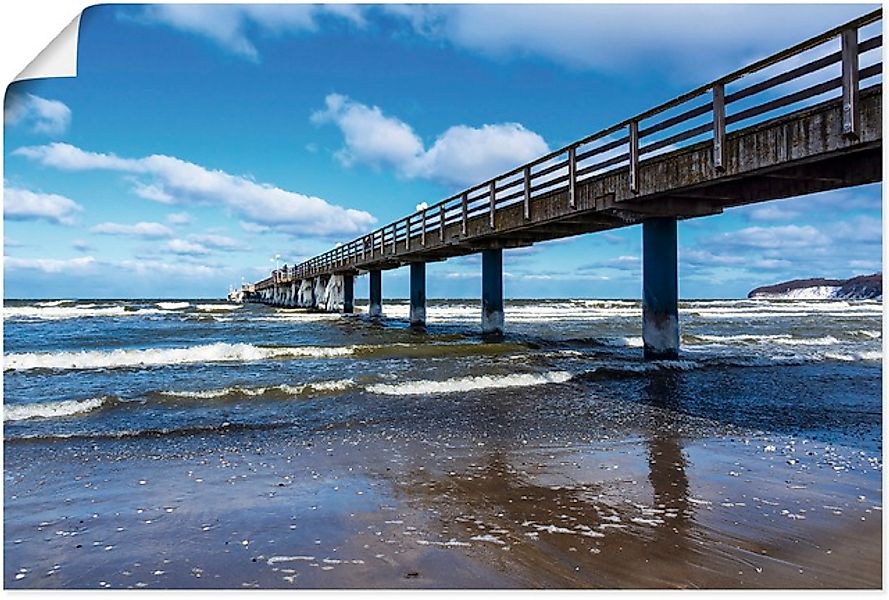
column 129, row 368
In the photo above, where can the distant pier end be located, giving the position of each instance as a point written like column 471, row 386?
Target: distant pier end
column 805, row 120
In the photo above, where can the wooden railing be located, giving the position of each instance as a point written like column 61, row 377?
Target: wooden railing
column 833, row 64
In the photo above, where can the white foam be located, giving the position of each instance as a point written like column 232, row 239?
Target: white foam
column 293, row 390
column 52, row 313
column 55, row 302
column 173, row 305
column 217, row 307
column 869, row 333
column 872, row 355
column 47, row 410
column 468, row 384
column 219, row 352
column 279, row 559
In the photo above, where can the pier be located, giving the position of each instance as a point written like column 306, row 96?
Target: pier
column 807, row 119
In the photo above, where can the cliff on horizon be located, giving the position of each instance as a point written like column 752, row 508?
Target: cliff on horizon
column 862, row 287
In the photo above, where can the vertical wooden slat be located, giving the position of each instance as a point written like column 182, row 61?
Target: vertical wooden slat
column 492, row 192
column 423, row 232
column 849, row 39
column 441, row 222
column 407, row 234
column 394, row 237
column 719, row 126
column 572, row 176
column 634, row 157
column 464, row 202
column 527, row 199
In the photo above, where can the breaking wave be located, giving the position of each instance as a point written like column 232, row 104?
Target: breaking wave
column 468, row 384
column 219, row 352
column 173, row 305
column 52, row 312
column 285, row 389
column 48, row 410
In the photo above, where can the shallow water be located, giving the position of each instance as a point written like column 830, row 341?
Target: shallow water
column 555, row 457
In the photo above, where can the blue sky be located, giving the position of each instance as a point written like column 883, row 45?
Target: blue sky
column 197, row 142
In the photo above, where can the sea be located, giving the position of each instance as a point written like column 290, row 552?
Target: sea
column 199, row 443
column 129, row 368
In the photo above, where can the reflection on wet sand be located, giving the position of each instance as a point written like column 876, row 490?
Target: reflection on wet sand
column 565, row 521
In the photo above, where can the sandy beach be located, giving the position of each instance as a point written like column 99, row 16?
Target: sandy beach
column 444, row 496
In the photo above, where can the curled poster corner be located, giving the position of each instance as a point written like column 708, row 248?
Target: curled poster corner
column 59, row 58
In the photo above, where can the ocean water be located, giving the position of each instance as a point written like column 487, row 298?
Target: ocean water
column 129, row 369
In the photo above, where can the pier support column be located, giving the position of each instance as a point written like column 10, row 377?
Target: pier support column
column 492, row 292
column 418, row 294
column 348, row 294
column 660, row 289
column 376, row 294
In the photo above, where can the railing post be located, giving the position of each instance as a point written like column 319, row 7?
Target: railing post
column 527, row 200
column 492, row 208
column 572, row 176
column 634, row 157
column 441, row 222
column 849, row 39
column 719, row 127
column 464, row 203
column 407, row 234
column 423, row 232
column 394, row 238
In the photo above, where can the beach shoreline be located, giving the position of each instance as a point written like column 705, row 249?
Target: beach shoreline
column 363, row 505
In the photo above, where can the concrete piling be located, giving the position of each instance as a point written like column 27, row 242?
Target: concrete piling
column 376, row 294
column 492, row 292
column 348, row 294
column 660, row 289
column 418, row 294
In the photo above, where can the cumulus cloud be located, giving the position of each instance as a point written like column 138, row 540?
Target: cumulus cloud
column 25, row 205
column 50, row 117
column 51, row 265
column 230, row 26
column 188, row 183
column 143, row 229
column 81, row 245
column 187, row 248
column 610, row 37
column 772, row 238
column 218, row 242
column 462, row 155
column 180, row 218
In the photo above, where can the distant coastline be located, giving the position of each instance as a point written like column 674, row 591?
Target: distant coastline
column 861, row 287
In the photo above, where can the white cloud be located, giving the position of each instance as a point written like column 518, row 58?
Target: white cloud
column 143, row 229
column 153, row 192
column 462, row 155
column 219, row 242
column 51, row 265
column 51, row 117
column 186, row 248
column 81, row 245
column 782, row 237
column 612, row 37
column 862, row 230
column 229, row 25
column 25, row 205
column 772, row 212
column 180, row 218
column 153, row 268
column 258, row 203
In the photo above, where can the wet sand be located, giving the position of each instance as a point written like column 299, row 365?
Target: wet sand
column 377, row 504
